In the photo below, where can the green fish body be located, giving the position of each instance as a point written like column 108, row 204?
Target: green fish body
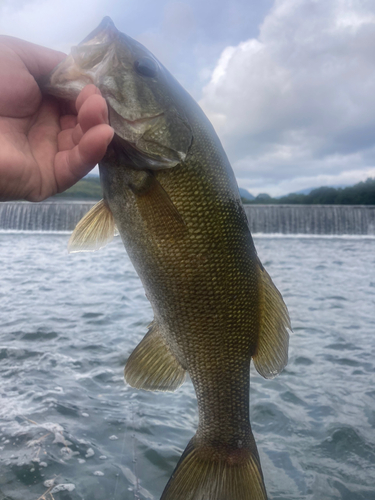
column 170, row 191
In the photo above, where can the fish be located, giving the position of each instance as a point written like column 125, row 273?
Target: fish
column 170, row 191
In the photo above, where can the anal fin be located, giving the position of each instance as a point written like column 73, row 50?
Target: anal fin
column 272, row 351
column 152, row 366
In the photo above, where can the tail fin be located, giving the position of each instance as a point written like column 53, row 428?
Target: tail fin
column 206, row 473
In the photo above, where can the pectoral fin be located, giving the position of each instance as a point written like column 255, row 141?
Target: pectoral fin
column 152, row 366
column 94, row 230
column 272, row 351
column 156, row 207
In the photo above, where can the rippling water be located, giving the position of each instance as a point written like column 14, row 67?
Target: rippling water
column 69, row 322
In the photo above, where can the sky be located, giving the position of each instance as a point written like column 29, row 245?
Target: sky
column 289, row 85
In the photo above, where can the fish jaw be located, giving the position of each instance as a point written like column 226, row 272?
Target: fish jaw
column 86, row 63
column 136, row 88
column 66, row 81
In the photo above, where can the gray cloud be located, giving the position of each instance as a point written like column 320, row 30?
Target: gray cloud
column 297, row 102
column 289, row 84
column 187, row 36
column 55, row 24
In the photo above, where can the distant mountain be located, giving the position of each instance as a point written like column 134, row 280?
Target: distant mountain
column 263, row 196
column 245, row 194
column 362, row 193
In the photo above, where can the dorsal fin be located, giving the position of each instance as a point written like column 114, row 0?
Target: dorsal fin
column 94, row 230
column 152, row 366
column 272, row 350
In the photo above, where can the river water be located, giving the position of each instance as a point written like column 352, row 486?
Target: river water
column 69, row 322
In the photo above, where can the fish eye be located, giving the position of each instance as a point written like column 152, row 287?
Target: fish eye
column 146, row 67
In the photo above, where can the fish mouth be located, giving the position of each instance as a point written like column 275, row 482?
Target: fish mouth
column 132, row 130
column 132, row 138
column 65, row 81
column 140, row 122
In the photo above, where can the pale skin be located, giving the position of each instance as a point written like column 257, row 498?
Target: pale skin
column 45, row 146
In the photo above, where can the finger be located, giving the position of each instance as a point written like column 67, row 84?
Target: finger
column 94, row 111
column 70, row 166
column 65, row 140
column 38, row 60
column 69, row 137
column 94, row 143
column 77, row 134
column 68, row 121
column 88, row 91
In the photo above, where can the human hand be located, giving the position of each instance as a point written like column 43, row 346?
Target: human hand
column 44, row 149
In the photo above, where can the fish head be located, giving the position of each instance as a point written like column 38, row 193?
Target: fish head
column 150, row 125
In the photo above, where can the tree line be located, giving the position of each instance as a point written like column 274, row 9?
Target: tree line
column 362, row 193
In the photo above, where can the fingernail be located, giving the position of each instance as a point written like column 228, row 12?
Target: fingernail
column 111, row 136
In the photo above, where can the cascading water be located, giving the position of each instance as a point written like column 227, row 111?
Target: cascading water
column 45, row 216
column 312, row 219
column 284, row 219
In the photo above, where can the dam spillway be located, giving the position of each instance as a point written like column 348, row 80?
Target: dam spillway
column 43, row 216
column 312, row 219
column 267, row 219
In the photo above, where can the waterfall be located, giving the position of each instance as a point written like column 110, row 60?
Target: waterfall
column 312, row 219
column 285, row 219
column 44, row 216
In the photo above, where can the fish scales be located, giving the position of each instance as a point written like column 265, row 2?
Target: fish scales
column 211, row 278
column 170, row 190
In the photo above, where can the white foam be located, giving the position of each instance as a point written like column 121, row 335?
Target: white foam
column 63, row 487
column 314, row 236
column 24, row 231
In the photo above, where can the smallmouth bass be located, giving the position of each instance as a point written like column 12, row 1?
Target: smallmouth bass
column 169, row 189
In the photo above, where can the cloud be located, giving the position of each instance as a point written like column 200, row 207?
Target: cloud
column 258, row 175
column 298, row 101
column 187, row 35
column 58, row 25
column 293, row 102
